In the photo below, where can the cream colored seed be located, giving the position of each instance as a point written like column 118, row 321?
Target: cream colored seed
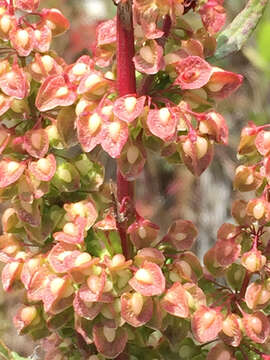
column 208, row 318
column 249, row 179
column 94, row 123
column 147, row 54
column 109, row 333
column 10, row 249
column 186, row 268
column 62, row 91
column 80, row 107
column 44, row 165
column 251, row 263
column 56, row 285
column 132, row 154
column 48, row 62
column 215, row 87
column 108, row 286
column 52, row 132
column 114, row 130
column 82, row 259
column 2, row 99
column 259, row 210
column 264, row 297
column 70, row 229
column 164, row 115
column 137, row 303
column 118, row 260
column 180, row 236
column 11, row 76
column 266, row 137
column 107, row 110
column 37, row 35
column 79, row 69
column 256, row 325
column 142, row 232
column 201, row 147
column 69, row 290
column 28, row 314
column 92, row 80
column 130, row 103
column 12, row 166
column 171, row 58
column 22, row 37
column 93, row 357
column 64, row 174
column 36, row 140
column 36, row 68
column 94, row 283
column 144, row 276
column 50, row 24
column 21, row 255
column 174, row 277
column 5, row 23
column 12, row 267
column 79, row 209
column 63, row 255
column 109, row 75
column 228, row 327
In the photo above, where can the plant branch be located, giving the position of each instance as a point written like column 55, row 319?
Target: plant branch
column 126, row 84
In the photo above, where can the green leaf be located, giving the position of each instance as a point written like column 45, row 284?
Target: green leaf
column 264, row 40
column 4, row 351
column 15, row 356
column 236, row 34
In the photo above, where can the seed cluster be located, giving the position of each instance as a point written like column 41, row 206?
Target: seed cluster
column 61, row 237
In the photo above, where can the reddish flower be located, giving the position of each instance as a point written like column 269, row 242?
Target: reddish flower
column 163, row 122
column 206, row 323
column 135, row 309
column 44, row 168
column 36, row 142
column 10, row 171
column 149, row 60
column 257, row 327
column 175, row 301
column 213, row 16
column 223, row 83
column 55, row 91
column 193, row 73
column 73, row 232
column 181, row 234
column 109, row 341
column 27, row 5
column 148, row 280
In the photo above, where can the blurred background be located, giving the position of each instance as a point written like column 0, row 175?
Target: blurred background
column 166, row 192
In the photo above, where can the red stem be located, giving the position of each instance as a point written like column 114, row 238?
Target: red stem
column 126, row 84
column 11, row 7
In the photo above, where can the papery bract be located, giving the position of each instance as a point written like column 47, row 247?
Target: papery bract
column 148, row 280
column 175, row 301
column 206, row 323
column 193, row 72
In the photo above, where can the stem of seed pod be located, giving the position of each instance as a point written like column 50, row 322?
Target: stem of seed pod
column 245, row 285
column 11, row 7
column 126, row 84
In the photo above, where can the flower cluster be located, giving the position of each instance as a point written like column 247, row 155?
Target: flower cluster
column 64, row 229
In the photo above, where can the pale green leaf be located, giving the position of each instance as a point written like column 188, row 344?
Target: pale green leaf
column 236, row 34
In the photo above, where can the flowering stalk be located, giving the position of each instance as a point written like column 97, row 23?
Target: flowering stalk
column 126, row 84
